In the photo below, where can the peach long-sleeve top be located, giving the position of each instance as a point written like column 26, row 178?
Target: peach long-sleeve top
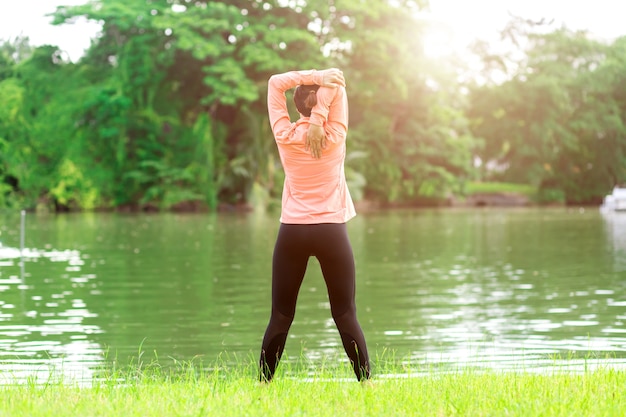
column 315, row 190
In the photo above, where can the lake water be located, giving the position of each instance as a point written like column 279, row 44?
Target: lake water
column 532, row 289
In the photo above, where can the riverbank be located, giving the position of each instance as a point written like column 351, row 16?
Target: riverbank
column 235, row 392
column 474, row 194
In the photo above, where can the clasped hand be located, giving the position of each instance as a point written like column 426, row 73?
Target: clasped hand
column 315, row 140
column 333, row 77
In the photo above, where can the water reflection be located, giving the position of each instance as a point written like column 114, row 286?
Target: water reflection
column 615, row 223
column 440, row 288
column 497, row 289
column 44, row 334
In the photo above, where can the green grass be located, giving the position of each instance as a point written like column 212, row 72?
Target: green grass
column 499, row 188
column 233, row 391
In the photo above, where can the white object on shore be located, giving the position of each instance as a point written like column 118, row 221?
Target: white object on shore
column 616, row 201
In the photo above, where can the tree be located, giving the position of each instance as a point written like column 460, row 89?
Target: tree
column 168, row 66
column 405, row 115
column 553, row 123
column 167, row 107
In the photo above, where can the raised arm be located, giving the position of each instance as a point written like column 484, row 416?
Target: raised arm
column 276, row 101
column 329, row 120
column 278, row 84
column 331, row 109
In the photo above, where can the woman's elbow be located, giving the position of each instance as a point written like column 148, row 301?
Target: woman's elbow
column 273, row 81
column 335, row 135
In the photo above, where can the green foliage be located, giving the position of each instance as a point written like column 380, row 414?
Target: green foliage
column 167, row 107
column 31, row 123
column 164, row 186
column 402, row 114
column 72, row 188
column 557, row 123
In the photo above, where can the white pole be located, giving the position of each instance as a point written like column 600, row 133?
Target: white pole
column 22, row 239
column 22, row 232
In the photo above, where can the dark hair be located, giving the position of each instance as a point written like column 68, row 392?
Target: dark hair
column 305, row 98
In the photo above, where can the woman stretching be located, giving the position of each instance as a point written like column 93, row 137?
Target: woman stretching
column 316, row 205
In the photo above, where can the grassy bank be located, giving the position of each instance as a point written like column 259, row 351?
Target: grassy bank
column 530, row 192
column 476, row 187
column 233, row 391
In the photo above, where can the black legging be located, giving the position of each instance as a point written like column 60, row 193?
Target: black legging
column 330, row 244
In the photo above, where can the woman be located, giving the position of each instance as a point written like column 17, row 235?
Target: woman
column 316, row 205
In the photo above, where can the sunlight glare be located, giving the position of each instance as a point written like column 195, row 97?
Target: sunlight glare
column 439, row 41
